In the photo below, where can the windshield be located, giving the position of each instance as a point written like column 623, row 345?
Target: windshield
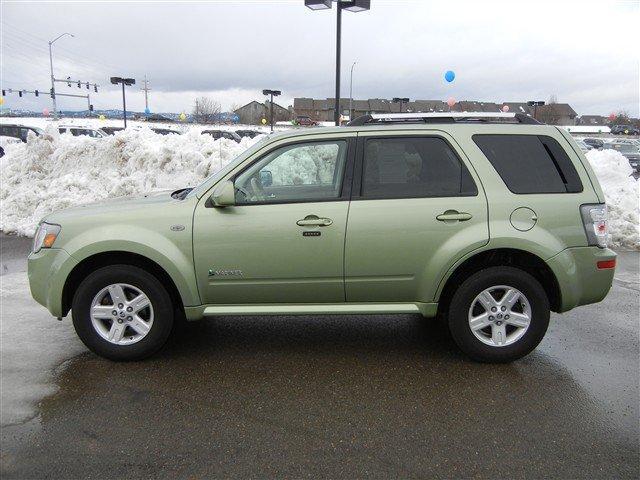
column 204, row 186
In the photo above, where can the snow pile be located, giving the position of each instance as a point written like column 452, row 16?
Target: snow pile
column 622, row 194
column 56, row 171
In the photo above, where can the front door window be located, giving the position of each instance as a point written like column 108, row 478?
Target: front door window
column 295, row 173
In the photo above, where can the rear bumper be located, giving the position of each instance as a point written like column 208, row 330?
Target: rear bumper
column 581, row 281
column 48, row 270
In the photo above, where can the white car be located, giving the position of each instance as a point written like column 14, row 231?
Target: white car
column 78, row 131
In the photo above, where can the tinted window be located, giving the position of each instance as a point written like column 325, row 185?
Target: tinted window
column 295, row 173
column 413, row 167
column 10, row 131
column 530, row 163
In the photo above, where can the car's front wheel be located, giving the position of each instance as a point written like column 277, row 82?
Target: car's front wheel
column 122, row 312
column 499, row 314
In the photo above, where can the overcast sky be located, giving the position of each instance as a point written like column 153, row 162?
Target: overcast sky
column 584, row 52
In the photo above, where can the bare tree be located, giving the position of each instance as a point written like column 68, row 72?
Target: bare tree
column 553, row 98
column 205, row 110
column 234, row 107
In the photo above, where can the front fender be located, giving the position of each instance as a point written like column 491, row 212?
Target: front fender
column 172, row 251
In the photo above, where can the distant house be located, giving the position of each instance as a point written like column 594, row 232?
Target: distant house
column 322, row 110
column 426, row 106
column 518, row 107
column 556, row 114
column 592, row 120
column 253, row 112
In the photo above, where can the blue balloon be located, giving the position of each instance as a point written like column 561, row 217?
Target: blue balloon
column 147, row 111
column 449, row 76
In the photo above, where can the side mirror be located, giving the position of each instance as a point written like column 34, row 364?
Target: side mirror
column 224, row 195
column 266, row 179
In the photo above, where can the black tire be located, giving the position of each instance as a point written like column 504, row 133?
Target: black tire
column 136, row 277
column 461, row 302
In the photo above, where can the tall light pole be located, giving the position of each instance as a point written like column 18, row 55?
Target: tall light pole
column 535, row 104
column 273, row 93
column 401, row 101
column 53, row 84
column 123, row 81
column 352, row 6
column 351, row 92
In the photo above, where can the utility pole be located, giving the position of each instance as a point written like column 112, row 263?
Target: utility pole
column 272, row 93
column 146, row 89
column 53, row 85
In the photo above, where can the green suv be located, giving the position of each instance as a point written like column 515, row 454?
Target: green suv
column 489, row 221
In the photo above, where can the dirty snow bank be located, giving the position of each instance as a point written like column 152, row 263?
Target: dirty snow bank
column 622, row 194
column 57, row 171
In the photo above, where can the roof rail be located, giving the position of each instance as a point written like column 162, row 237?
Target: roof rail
column 443, row 117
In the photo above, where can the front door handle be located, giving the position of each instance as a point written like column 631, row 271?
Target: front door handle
column 453, row 216
column 314, row 221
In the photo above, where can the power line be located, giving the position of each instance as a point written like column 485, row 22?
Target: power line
column 83, row 59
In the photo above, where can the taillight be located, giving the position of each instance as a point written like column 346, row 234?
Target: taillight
column 594, row 218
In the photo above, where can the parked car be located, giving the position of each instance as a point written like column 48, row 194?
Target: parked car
column 217, row 134
column 111, row 130
column 249, row 133
column 629, row 150
column 489, row 226
column 305, row 121
column 8, row 140
column 165, row 131
column 624, row 130
column 19, row 131
column 596, row 143
column 583, row 146
column 77, row 131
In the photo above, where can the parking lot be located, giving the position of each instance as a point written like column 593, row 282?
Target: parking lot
column 320, row 397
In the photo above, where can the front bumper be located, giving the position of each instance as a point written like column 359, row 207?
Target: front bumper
column 48, row 271
column 581, row 281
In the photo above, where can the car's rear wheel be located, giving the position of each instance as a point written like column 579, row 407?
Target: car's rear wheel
column 499, row 314
column 122, row 312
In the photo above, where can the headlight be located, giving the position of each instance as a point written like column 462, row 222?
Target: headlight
column 45, row 236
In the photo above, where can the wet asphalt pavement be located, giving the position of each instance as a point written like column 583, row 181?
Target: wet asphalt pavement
column 343, row 397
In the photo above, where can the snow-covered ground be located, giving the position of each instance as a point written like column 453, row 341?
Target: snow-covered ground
column 57, row 171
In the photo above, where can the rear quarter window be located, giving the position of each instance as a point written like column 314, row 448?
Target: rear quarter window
column 530, row 163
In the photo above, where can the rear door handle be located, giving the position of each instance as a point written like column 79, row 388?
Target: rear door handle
column 314, row 221
column 454, row 215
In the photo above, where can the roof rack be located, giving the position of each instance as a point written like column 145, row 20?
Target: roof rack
column 443, row 117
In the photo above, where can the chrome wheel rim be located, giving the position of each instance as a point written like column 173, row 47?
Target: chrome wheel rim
column 121, row 314
column 500, row 316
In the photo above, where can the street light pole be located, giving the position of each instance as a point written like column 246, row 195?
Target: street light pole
column 123, row 81
column 336, row 111
column 352, row 6
column 401, row 101
column 272, row 93
column 53, row 84
column 351, row 93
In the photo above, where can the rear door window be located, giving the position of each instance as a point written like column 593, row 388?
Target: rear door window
column 530, row 163
column 413, row 167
